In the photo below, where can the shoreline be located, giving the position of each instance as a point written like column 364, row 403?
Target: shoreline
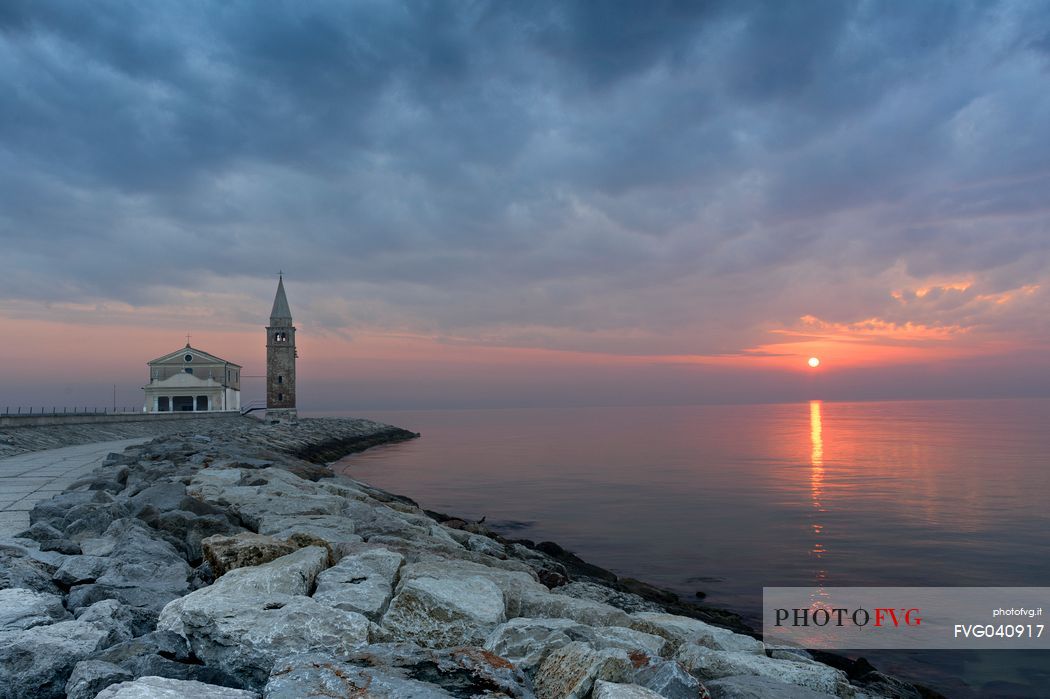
column 206, row 543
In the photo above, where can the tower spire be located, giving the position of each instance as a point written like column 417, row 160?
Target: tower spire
column 281, row 314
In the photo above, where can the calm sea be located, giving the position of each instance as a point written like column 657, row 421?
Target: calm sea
column 727, row 499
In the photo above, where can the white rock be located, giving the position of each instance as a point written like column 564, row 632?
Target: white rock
column 244, row 633
column 23, row 609
column 308, row 675
column 333, row 529
column 525, row 642
column 570, row 672
column 630, row 640
column 541, row 603
column 614, row 690
column 681, row 629
column 710, row 664
column 754, row 687
column 483, row 544
column 361, row 582
column 209, row 482
column 164, row 688
column 444, row 612
column 293, row 574
column 514, row 584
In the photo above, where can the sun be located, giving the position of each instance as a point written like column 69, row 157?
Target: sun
column 813, row 362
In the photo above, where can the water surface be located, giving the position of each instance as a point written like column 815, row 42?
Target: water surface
column 728, row 499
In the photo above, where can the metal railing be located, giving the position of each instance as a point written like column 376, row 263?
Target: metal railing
column 253, row 406
column 77, row 410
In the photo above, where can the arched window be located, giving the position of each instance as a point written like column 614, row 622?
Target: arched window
column 280, row 379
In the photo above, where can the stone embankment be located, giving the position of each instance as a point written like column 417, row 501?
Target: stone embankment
column 200, row 566
column 72, row 430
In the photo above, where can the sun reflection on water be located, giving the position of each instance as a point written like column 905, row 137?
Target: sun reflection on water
column 816, row 487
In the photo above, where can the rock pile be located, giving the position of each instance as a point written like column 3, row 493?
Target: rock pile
column 230, row 567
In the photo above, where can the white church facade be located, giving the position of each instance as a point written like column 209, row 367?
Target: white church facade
column 190, row 379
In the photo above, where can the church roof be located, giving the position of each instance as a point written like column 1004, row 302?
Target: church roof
column 201, row 354
column 280, row 314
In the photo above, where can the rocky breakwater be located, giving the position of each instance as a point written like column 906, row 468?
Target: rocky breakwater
column 206, row 567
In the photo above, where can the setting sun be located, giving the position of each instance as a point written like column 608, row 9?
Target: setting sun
column 813, row 362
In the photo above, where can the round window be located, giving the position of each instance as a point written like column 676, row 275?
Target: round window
column 188, row 357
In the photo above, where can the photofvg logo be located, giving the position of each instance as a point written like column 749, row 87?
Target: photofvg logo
column 841, row 616
column 854, row 618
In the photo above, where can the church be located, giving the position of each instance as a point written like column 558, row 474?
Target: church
column 192, row 380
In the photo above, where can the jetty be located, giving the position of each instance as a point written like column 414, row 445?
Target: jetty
column 224, row 559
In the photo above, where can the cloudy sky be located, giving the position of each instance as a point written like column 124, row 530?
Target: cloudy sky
column 535, row 203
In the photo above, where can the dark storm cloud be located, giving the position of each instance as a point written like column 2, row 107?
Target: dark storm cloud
column 697, row 171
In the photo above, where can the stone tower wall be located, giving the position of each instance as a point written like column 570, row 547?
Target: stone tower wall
column 280, row 367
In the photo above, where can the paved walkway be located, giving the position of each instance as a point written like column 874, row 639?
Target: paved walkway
column 28, row 478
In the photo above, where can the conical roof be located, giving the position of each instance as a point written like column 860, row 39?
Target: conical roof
column 280, row 314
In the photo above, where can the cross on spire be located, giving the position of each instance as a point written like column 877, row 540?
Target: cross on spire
column 187, row 339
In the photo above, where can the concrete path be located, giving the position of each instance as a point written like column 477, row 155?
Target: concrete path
column 28, row 478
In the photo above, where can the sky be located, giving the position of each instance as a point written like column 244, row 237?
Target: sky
column 494, row 204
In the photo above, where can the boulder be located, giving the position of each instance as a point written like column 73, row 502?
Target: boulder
column 668, row 679
column 514, row 584
column 165, row 688
column 144, row 601
column 53, row 510
column 616, row 690
column 483, row 544
column 18, row 569
column 272, row 492
column 332, row 529
column 80, row 570
column 525, row 642
column 242, row 632
column 683, row 630
column 627, row 601
column 90, row 520
column 361, row 582
column 36, row 662
column 225, row 553
column 570, row 672
column 92, row 676
column 292, row 574
column 42, row 532
column 754, row 687
column 22, row 609
column 317, row 675
column 161, row 654
column 161, row 496
column 635, row 642
column 136, row 556
column 118, row 620
column 191, row 528
column 554, row 606
column 444, row 612
column 708, row 664
column 463, row 671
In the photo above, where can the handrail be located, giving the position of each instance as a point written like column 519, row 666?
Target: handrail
column 253, row 406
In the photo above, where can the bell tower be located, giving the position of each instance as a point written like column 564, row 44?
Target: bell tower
column 280, row 355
